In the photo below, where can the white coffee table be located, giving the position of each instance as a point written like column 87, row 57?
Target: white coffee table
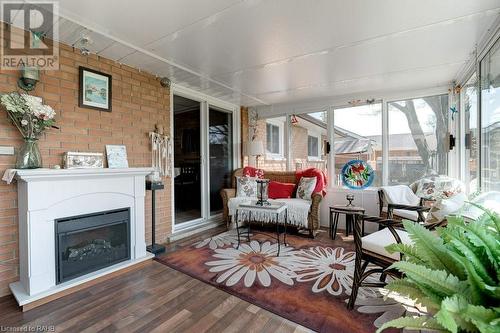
column 275, row 212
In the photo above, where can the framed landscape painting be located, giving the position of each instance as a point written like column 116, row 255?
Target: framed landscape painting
column 95, row 90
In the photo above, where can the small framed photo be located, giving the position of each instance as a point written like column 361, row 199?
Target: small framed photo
column 94, row 90
column 77, row 160
column 117, row 156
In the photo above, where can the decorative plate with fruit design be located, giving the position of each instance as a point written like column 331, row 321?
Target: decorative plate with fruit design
column 357, row 174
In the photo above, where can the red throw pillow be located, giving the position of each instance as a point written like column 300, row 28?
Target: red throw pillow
column 277, row 190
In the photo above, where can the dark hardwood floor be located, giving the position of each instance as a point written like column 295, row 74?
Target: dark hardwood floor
column 153, row 298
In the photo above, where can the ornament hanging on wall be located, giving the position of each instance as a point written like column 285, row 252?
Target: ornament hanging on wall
column 252, row 123
column 454, row 97
column 357, row 174
column 161, row 153
column 453, row 111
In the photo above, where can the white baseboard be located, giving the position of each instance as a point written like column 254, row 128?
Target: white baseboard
column 193, row 230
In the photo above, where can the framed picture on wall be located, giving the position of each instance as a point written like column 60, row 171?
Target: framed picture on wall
column 95, row 90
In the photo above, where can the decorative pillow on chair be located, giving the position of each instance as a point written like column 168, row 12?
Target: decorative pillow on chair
column 253, row 172
column 438, row 187
column 444, row 207
column 279, row 190
column 246, row 187
column 489, row 200
column 321, row 180
column 306, row 188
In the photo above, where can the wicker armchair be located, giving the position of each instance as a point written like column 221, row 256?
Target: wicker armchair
column 279, row 176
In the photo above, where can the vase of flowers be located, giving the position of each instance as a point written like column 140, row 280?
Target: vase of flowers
column 31, row 118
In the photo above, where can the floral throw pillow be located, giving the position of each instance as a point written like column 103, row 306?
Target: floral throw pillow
column 306, row 188
column 444, row 207
column 253, row 172
column 246, row 187
column 440, row 187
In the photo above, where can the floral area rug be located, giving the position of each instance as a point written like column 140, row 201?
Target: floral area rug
column 309, row 283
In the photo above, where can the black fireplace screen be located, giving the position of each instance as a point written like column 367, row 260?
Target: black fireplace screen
column 90, row 242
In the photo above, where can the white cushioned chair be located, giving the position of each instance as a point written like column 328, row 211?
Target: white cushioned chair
column 400, row 202
column 376, row 242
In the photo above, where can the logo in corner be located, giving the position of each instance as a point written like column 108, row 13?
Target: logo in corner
column 29, row 35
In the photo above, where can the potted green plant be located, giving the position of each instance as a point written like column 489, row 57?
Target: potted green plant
column 31, row 118
column 453, row 273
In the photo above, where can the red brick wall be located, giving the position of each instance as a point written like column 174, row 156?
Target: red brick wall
column 139, row 102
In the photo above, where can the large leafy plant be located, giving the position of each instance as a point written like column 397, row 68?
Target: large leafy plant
column 453, row 273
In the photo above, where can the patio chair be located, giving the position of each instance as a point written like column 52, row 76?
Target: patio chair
column 402, row 203
column 370, row 249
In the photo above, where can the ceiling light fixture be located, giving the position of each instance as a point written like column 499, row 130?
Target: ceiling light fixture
column 165, row 82
column 83, row 44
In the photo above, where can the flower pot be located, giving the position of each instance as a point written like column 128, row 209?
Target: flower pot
column 28, row 156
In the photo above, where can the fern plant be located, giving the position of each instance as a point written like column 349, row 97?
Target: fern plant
column 454, row 273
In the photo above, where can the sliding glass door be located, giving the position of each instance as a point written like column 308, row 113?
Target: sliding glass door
column 187, row 160
column 203, row 160
column 220, row 152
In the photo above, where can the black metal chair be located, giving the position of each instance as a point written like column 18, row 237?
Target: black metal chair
column 370, row 249
column 420, row 209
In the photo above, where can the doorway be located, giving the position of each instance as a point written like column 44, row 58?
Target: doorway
column 204, row 158
column 187, row 160
column 220, row 132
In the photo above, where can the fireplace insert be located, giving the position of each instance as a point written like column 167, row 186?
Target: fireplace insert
column 90, row 242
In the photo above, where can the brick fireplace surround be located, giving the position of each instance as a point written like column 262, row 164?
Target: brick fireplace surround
column 139, row 102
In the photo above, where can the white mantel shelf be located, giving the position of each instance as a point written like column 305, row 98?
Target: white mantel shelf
column 46, row 195
column 43, row 174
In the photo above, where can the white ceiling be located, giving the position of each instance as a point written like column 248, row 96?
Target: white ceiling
column 265, row 52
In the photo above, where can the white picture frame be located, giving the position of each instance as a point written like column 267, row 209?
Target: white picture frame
column 82, row 160
column 116, row 156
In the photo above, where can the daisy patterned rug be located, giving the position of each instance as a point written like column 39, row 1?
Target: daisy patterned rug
column 309, row 283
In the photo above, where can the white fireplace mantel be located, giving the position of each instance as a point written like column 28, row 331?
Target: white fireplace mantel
column 28, row 175
column 45, row 195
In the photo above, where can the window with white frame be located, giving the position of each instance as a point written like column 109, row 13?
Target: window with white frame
column 469, row 94
column 358, row 136
column 490, row 119
column 418, row 138
column 312, row 146
column 275, row 133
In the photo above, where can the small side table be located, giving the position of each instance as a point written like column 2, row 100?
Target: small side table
column 154, row 248
column 251, row 211
column 349, row 212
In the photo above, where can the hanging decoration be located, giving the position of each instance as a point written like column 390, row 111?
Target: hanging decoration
column 294, row 120
column 357, row 174
column 161, row 153
column 354, row 102
column 454, row 93
column 453, row 111
column 253, row 117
